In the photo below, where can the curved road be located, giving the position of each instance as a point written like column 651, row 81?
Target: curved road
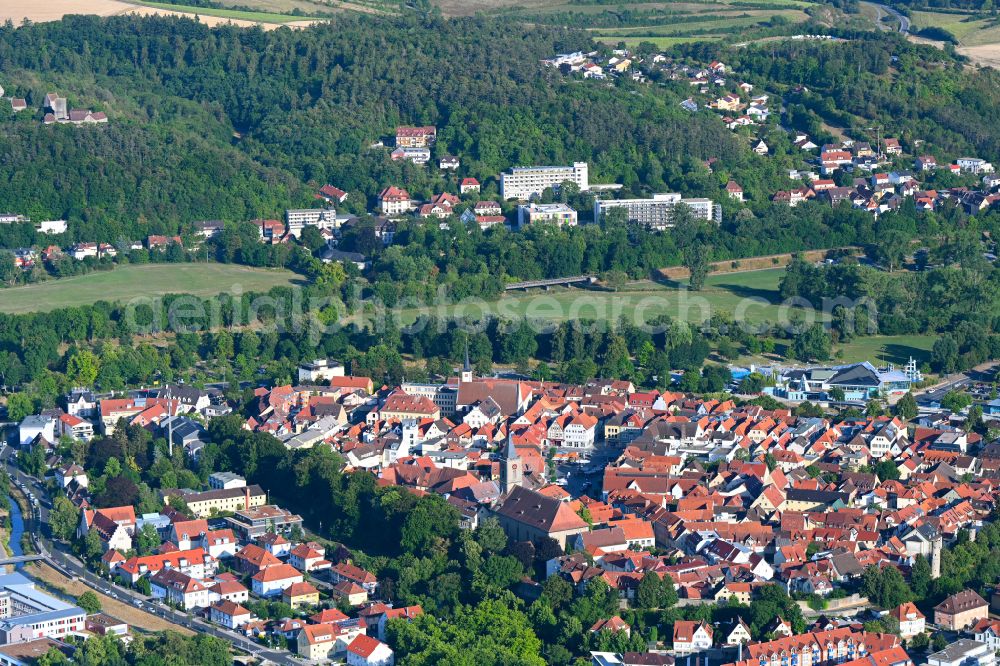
column 904, row 22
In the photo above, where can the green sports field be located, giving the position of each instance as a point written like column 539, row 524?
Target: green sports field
column 126, row 282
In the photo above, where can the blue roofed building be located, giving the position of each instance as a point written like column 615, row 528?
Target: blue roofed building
column 27, row 613
column 859, row 382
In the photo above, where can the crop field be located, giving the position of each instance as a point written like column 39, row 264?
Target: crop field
column 238, row 14
column 134, row 281
column 978, row 34
column 53, row 10
column 718, row 20
column 967, row 28
column 298, row 8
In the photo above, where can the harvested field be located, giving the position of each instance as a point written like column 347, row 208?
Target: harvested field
column 53, row 10
column 19, row 10
column 744, row 265
column 987, row 55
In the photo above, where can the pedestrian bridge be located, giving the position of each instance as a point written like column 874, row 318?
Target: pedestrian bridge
column 21, row 559
column 554, row 282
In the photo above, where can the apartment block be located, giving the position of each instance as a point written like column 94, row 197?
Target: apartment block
column 526, row 182
column 657, row 212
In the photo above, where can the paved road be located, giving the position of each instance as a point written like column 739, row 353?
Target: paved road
column 71, row 567
column 981, row 373
column 904, row 23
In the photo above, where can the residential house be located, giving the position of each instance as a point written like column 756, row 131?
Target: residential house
column 961, row 610
column 332, row 194
column 394, row 201
column 415, row 137
column 734, row 190
column 308, row 557
column 345, row 571
column 352, row 593
column 911, row 621
column 274, row 580
column 114, row 525
column 738, row 633
column 300, row 594
column 229, row 614
column 195, row 562
column 691, row 636
column 179, row 589
column 988, row 631
column 316, row 641
column 367, row 651
column 381, row 621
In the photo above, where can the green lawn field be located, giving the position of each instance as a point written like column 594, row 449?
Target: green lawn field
column 127, row 282
column 750, row 296
column 888, row 348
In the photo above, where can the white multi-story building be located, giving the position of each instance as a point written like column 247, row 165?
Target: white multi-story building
column 30, row 613
column 974, row 165
column 34, row 425
column 658, row 212
column 319, row 370
column 526, row 182
column 322, row 218
column 180, row 589
column 52, row 227
column 442, row 395
column 555, row 213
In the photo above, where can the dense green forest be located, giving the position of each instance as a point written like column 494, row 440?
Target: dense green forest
column 305, row 106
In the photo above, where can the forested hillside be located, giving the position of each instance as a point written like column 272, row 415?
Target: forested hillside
column 307, row 104
column 237, row 123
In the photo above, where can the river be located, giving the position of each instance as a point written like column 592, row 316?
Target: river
column 16, row 530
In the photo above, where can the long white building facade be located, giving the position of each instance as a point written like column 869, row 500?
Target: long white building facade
column 657, row 212
column 526, row 182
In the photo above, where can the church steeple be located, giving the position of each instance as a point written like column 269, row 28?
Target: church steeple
column 512, row 468
column 467, row 368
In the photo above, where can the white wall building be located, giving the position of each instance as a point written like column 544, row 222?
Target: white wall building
column 52, row 227
column 36, row 614
column 555, row 213
column 964, row 652
column 34, row 425
column 657, row 212
column 320, row 370
column 526, row 182
column 321, row 218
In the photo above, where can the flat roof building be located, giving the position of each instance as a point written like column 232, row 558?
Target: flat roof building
column 555, row 213
column 657, row 212
column 527, row 182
